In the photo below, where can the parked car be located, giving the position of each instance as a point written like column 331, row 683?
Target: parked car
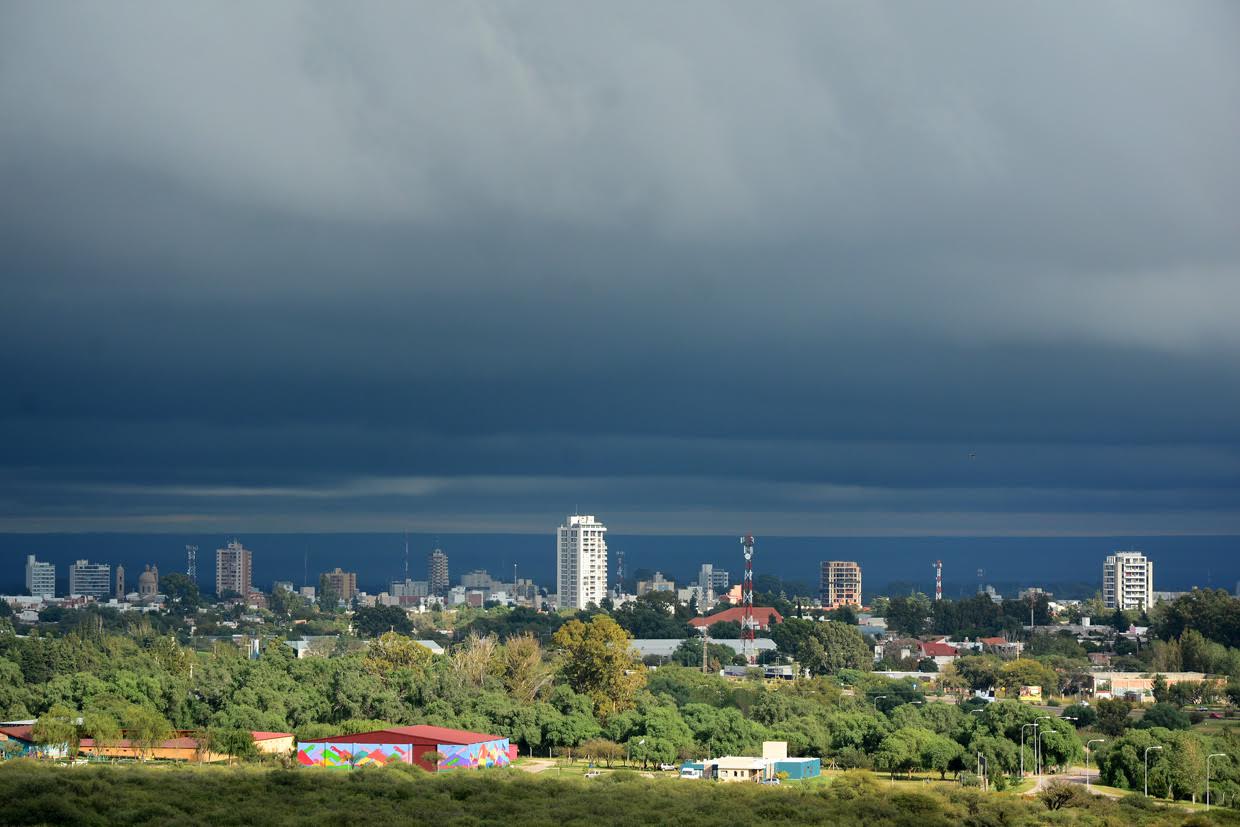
column 593, row 774
column 668, row 767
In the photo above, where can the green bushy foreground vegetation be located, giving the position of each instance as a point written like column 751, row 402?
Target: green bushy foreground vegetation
column 135, row 795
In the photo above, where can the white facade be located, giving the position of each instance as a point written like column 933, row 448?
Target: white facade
column 40, row 578
column 90, row 579
column 1128, row 581
column 581, row 562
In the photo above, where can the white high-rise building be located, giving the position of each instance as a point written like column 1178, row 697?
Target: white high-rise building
column 90, row 579
column 40, row 577
column 1128, row 581
column 581, row 562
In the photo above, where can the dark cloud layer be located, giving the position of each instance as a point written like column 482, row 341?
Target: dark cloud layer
column 468, row 266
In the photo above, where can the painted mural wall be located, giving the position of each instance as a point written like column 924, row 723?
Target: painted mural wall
column 342, row 755
column 345, row 756
column 484, row 754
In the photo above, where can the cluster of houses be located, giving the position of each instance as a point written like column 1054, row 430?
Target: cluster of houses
column 773, row 766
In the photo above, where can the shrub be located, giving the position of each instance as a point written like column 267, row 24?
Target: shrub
column 1060, row 794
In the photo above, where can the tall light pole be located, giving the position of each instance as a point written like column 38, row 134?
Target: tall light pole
column 1208, row 757
column 878, row 698
column 1147, row 769
column 1022, row 746
column 1037, row 742
column 1088, row 751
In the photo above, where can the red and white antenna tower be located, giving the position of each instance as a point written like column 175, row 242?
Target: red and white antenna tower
column 747, row 622
column 938, row 579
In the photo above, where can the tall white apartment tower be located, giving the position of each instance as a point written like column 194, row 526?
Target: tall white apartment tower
column 581, row 562
column 40, row 578
column 1128, row 581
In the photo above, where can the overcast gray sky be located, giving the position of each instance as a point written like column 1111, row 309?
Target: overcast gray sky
column 968, row 268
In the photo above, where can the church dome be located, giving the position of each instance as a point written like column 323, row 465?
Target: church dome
column 148, row 581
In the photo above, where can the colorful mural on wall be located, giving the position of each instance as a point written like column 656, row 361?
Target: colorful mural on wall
column 346, row 756
column 485, row 754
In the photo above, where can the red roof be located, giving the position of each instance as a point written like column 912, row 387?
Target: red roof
column 410, row 735
column 993, row 641
column 761, row 614
column 936, row 650
column 23, row 732
column 270, row 736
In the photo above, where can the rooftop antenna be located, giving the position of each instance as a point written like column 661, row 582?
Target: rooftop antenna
column 406, row 556
column 938, row 579
column 191, row 563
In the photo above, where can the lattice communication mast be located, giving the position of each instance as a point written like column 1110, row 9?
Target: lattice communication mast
column 191, row 564
column 747, row 622
column 938, row 579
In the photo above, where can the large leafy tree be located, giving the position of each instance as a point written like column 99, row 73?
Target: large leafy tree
column 525, row 670
column 375, row 621
column 1213, row 613
column 57, row 727
column 598, row 663
column 822, row 648
column 391, row 651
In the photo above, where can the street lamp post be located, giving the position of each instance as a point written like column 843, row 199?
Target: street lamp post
column 1022, row 746
column 1147, row 769
column 1208, row 757
column 1037, row 743
column 1087, row 754
column 878, row 698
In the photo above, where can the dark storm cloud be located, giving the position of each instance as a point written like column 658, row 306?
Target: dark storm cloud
column 304, row 266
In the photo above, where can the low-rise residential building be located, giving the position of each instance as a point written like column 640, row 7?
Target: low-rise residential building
column 658, row 583
column 1139, row 686
column 941, row 652
column 1002, row 646
column 763, row 616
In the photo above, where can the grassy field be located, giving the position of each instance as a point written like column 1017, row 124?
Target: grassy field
column 220, row 796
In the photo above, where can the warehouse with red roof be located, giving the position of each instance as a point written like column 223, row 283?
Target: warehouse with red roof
column 430, row 747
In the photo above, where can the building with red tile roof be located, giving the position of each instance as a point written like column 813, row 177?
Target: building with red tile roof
column 763, row 615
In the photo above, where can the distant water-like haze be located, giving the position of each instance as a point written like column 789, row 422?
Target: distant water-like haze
column 1181, row 562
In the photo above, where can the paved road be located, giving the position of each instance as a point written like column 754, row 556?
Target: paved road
column 1074, row 775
